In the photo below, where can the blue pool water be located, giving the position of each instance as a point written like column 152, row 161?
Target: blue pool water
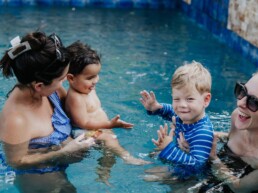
column 140, row 50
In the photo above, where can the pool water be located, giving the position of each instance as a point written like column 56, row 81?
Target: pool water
column 140, row 50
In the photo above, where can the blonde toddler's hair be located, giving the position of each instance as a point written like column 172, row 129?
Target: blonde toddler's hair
column 192, row 74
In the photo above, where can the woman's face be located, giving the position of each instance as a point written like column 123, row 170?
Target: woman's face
column 247, row 119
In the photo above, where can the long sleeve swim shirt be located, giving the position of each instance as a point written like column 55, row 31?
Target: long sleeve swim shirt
column 199, row 136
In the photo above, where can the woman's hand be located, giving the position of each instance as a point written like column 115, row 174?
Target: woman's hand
column 75, row 150
column 149, row 101
column 213, row 153
column 164, row 138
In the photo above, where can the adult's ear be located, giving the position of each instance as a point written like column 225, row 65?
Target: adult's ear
column 38, row 86
column 207, row 99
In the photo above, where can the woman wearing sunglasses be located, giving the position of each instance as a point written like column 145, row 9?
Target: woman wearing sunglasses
column 34, row 130
column 242, row 141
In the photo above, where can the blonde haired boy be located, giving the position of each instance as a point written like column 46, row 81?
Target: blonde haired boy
column 191, row 94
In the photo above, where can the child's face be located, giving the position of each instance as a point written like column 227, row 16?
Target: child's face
column 189, row 104
column 86, row 81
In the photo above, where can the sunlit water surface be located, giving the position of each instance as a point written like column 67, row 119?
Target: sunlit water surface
column 140, row 50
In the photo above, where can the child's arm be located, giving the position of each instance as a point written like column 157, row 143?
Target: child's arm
column 153, row 107
column 77, row 109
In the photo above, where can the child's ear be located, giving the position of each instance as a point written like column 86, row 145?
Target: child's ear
column 69, row 77
column 207, row 99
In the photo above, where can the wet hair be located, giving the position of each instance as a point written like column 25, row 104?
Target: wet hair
column 81, row 55
column 193, row 74
column 44, row 62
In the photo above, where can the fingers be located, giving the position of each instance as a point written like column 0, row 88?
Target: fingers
column 145, row 95
column 116, row 117
column 128, row 126
column 156, row 142
column 80, row 138
column 163, row 130
column 152, row 95
column 90, row 141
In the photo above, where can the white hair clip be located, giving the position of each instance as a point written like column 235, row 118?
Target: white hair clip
column 16, row 43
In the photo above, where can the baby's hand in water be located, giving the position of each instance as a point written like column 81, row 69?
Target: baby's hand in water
column 116, row 122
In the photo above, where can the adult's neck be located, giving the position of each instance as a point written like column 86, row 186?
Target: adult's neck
column 27, row 96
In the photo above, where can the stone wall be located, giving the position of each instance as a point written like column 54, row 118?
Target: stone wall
column 234, row 22
column 243, row 19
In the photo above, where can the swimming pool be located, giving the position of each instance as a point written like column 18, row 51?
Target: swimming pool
column 140, row 50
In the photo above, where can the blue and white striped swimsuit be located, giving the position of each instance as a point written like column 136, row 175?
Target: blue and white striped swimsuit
column 199, row 136
column 62, row 130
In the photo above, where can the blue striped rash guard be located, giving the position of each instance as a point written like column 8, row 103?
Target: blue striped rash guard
column 199, row 136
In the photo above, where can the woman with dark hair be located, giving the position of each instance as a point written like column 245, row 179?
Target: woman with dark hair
column 34, row 129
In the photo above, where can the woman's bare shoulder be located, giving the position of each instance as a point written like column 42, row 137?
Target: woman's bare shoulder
column 13, row 127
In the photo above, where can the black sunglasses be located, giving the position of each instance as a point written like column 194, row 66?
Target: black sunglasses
column 251, row 101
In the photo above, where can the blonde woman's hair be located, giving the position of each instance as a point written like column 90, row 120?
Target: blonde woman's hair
column 192, row 74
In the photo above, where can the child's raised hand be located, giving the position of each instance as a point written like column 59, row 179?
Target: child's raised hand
column 116, row 122
column 149, row 101
column 164, row 138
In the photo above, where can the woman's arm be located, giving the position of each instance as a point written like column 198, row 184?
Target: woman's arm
column 20, row 157
column 16, row 135
column 245, row 184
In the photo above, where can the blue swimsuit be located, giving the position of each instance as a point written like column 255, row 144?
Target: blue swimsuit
column 199, row 136
column 62, row 130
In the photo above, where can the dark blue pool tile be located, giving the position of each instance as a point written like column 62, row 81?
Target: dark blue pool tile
column 253, row 54
column 214, row 10
column 206, row 6
column 141, row 4
column 184, row 7
column 77, row 3
column 234, row 41
column 61, row 2
column 225, row 35
column 216, row 28
column 44, row 2
column 28, row 2
column 125, row 4
column 14, row 2
column 220, row 14
column 245, row 47
column 170, row 4
column 198, row 4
